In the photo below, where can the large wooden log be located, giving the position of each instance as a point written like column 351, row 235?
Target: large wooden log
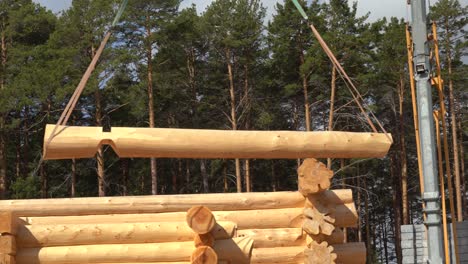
column 112, row 233
column 235, row 250
column 200, row 219
column 83, row 142
column 277, row 237
column 204, row 255
column 245, row 219
column 350, row 253
column 154, row 204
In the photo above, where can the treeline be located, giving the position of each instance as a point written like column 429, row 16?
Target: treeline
column 227, row 68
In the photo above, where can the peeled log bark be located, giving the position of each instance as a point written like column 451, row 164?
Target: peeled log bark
column 278, row 237
column 150, row 252
column 123, row 233
column 337, row 237
column 228, row 249
column 350, row 253
column 153, row 204
column 245, row 219
column 83, row 142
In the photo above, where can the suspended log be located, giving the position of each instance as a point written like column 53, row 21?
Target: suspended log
column 278, row 237
column 113, row 233
column 314, row 177
column 245, row 219
column 83, row 142
column 200, row 219
column 234, row 250
column 153, row 204
column 204, row 255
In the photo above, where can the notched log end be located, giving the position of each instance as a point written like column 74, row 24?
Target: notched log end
column 314, row 177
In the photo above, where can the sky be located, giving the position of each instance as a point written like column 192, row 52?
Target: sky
column 378, row 8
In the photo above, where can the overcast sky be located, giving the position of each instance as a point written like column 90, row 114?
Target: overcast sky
column 377, row 8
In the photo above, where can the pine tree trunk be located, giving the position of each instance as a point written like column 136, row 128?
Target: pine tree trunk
column 149, row 58
column 206, row 186
column 452, row 107
column 248, row 184
column 305, row 88
column 404, row 169
column 343, row 186
column 273, row 177
column 385, row 239
column 396, row 209
column 462, row 166
column 368, row 229
column 332, row 108
column 100, row 152
column 225, row 177
column 233, row 114
column 3, row 163
column 125, row 172
column 73, row 179
column 18, row 155
column 44, row 185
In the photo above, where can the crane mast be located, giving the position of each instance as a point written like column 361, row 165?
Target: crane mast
column 431, row 195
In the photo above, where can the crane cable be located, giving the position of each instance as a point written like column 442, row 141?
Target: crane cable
column 348, row 82
column 82, row 84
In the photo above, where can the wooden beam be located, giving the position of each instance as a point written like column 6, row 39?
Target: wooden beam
column 277, row 237
column 8, row 222
column 235, row 250
column 314, row 177
column 7, row 244
column 83, row 142
column 245, row 219
column 154, row 204
column 113, row 233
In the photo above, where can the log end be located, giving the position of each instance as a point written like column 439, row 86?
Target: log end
column 204, row 255
column 314, row 177
column 204, row 240
column 319, row 254
column 200, row 219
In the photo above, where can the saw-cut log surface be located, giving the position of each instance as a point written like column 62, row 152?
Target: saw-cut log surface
column 319, row 253
column 83, row 142
column 204, row 255
column 204, row 240
column 110, row 233
column 317, row 222
column 278, row 237
column 200, row 219
column 314, row 177
column 153, row 204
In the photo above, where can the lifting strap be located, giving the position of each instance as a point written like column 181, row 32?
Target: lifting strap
column 84, row 79
column 348, row 82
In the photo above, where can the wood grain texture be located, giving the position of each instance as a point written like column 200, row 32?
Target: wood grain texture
column 83, row 142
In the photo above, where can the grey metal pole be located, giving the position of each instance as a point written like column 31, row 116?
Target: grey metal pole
column 431, row 195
